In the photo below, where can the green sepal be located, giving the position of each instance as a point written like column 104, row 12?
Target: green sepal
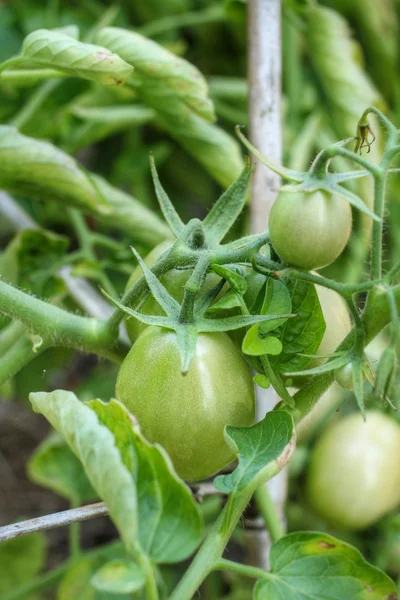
column 167, row 208
column 332, row 365
column 283, row 172
column 231, row 323
column 385, row 374
column 358, row 382
column 228, row 207
column 164, row 299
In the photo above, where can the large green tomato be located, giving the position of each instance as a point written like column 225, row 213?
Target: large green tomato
column 187, row 414
column 354, row 475
column 173, row 280
column 309, row 230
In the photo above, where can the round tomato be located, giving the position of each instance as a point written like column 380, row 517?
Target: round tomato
column 173, row 280
column 309, row 230
column 187, row 414
column 354, row 475
column 344, row 377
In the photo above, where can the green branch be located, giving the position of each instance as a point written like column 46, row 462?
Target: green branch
column 58, row 327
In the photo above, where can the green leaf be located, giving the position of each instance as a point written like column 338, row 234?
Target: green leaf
column 228, row 301
column 170, row 523
column 42, row 172
column 230, row 323
column 236, row 281
column 277, row 301
column 312, row 566
column 262, row 381
column 94, row 445
column 153, row 63
column 228, row 207
column 304, row 334
column 346, row 84
column 76, row 583
column 21, row 559
column 118, row 577
column 54, row 466
column 255, row 345
column 263, row 451
column 54, row 49
column 33, row 254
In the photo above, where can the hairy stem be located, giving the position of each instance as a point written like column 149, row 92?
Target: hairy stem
column 59, row 327
column 377, row 228
column 18, row 356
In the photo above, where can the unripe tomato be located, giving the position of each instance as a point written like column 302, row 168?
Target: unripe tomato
column 344, row 377
column 309, row 230
column 337, row 319
column 354, row 475
column 173, row 280
column 187, row 414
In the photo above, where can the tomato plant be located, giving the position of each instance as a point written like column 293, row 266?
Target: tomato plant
column 217, row 391
column 353, row 479
column 162, row 431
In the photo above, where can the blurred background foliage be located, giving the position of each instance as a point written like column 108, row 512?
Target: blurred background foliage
column 338, row 57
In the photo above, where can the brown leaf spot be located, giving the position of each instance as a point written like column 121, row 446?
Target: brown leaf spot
column 393, row 596
column 326, row 545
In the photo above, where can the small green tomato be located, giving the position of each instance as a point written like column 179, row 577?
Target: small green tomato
column 309, row 230
column 344, row 377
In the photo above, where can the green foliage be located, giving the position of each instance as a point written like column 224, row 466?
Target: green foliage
column 257, row 447
column 94, row 445
column 118, row 577
column 169, row 521
column 53, row 465
column 304, row 334
column 45, row 48
column 21, row 559
column 308, row 566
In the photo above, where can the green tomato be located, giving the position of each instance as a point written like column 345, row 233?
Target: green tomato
column 354, row 475
column 344, row 377
column 309, row 230
column 187, row 414
column 173, row 280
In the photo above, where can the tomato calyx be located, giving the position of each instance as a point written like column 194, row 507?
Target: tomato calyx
column 318, row 177
column 188, row 319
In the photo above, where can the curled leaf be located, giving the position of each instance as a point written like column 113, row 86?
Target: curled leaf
column 54, row 49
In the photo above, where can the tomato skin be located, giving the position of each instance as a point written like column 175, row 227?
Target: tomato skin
column 187, row 414
column 344, row 377
column 353, row 477
column 173, row 280
column 309, row 230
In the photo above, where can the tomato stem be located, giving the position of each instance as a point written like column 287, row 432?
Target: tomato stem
column 269, row 512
